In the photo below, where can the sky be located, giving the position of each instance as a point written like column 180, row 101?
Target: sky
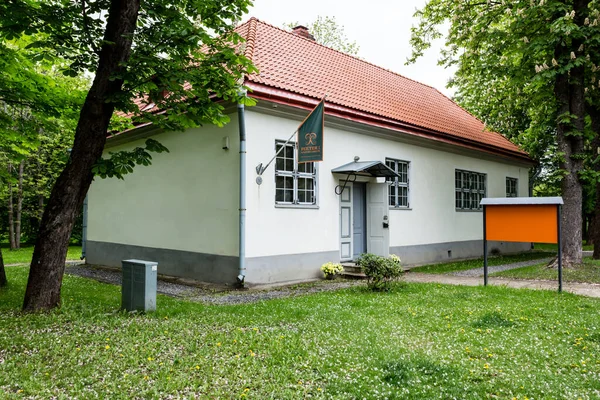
column 381, row 28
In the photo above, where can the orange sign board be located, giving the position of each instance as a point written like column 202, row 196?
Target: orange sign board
column 522, row 223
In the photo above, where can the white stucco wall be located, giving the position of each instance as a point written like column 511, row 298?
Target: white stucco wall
column 186, row 200
column 431, row 219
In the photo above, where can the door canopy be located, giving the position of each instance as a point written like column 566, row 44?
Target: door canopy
column 366, row 168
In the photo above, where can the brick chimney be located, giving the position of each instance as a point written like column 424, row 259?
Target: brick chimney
column 303, row 32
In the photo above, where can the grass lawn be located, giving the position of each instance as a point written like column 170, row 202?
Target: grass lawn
column 24, row 254
column 588, row 272
column 478, row 263
column 421, row 341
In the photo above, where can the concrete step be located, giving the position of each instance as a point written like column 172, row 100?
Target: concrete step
column 353, row 275
column 351, row 267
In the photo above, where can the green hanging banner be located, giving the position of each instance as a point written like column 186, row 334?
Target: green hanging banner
column 310, row 135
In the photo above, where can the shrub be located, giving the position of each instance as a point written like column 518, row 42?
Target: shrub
column 330, row 269
column 380, row 271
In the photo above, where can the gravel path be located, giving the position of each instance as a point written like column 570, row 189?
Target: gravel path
column 212, row 294
column 499, row 268
column 582, row 289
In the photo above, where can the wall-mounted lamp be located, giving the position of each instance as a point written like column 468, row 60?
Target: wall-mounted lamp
column 225, row 143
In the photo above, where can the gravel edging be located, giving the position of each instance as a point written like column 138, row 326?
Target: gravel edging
column 500, row 268
column 208, row 295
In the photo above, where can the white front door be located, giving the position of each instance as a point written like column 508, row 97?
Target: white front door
column 346, row 223
column 378, row 233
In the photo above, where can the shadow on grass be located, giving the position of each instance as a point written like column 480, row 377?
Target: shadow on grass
column 492, row 320
column 400, row 373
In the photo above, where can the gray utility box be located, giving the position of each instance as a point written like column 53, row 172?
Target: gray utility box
column 138, row 290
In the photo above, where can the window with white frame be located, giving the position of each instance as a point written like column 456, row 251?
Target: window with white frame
column 295, row 183
column 398, row 189
column 470, row 188
column 511, row 187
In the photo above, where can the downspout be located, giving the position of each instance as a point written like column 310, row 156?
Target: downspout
column 242, row 228
column 84, row 227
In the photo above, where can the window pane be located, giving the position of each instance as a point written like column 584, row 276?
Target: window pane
column 403, row 196
column 289, row 165
column 279, row 195
column 279, row 182
column 511, row 187
column 289, row 151
column 306, row 190
column 392, row 196
column 306, row 168
column 302, row 196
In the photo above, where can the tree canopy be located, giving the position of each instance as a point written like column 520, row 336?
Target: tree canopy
column 327, row 32
column 528, row 68
column 160, row 62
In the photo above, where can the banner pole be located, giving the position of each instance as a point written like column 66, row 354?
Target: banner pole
column 260, row 169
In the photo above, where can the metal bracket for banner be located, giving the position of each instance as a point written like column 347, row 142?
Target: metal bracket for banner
column 260, row 169
column 339, row 191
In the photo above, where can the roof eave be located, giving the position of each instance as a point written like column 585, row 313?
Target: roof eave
column 267, row 93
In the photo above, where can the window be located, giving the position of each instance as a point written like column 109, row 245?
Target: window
column 511, row 187
column 470, row 189
column 398, row 193
column 294, row 183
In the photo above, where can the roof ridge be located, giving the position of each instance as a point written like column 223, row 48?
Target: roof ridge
column 251, row 38
column 342, row 53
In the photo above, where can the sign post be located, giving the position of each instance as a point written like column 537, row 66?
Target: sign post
column 522, row 219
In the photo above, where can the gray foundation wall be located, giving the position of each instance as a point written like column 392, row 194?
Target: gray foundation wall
column 201, row 267
column 287, row 268
column 444, row 252
column 277, row 269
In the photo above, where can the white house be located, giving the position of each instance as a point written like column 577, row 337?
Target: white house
column 183, row 211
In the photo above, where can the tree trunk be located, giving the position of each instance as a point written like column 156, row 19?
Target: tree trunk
column 11, row 213
column 595, row 225
column 68, row 193
column 19, row 206
column 3, row 281
column 585, row 234
column 595, row 229
column 40, row 212
column 569, row 92
column 592, row 227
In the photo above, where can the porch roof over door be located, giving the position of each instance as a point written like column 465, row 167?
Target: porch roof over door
column 367, row 168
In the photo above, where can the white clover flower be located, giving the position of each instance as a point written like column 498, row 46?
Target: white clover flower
column 525, row 40
column 586, row 21
column 573, row 56
column 554, row 62
column 580, row 49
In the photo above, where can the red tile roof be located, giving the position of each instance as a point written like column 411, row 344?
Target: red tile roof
column 297, row 68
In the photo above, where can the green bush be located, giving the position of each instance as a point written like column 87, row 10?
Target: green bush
column 380, row 271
